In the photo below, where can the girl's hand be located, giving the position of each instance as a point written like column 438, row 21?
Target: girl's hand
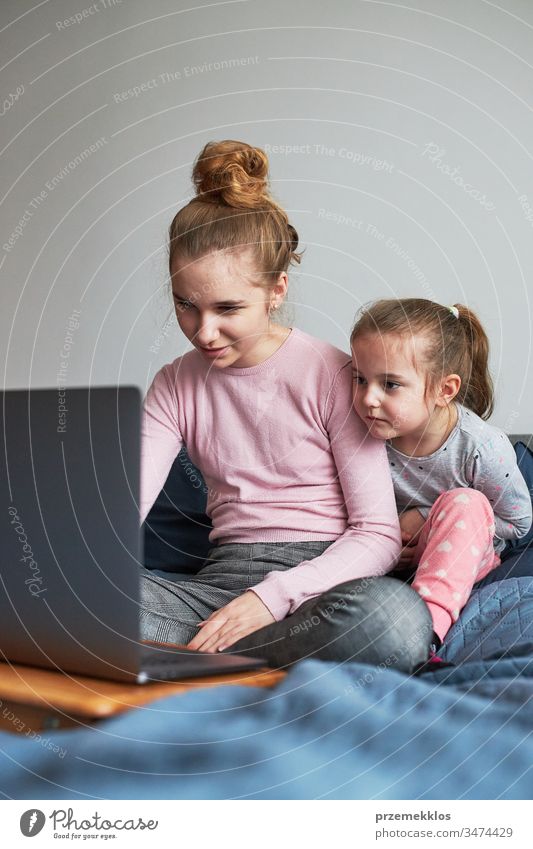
column 236, row 620
column 406, row 557
column 411, row 524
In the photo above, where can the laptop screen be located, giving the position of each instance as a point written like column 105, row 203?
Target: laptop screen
column 70, row 539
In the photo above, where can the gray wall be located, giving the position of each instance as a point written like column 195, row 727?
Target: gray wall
column 399, row 139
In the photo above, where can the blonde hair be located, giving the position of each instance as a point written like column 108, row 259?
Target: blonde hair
column 456, row 343
column 233, row 209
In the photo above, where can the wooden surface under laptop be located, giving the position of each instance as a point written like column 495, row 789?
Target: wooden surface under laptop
column 42, row 699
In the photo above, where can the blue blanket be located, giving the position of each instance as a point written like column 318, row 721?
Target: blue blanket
column 327, row 731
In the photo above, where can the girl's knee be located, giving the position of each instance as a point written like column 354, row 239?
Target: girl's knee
column 463, row 498
column 377, row 620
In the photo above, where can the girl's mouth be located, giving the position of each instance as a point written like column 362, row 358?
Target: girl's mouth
column 213, row 353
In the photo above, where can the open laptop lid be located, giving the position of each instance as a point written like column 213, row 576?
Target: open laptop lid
column 69, row 529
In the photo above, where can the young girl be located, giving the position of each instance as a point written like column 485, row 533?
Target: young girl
column 421, row 382
column 300, row 499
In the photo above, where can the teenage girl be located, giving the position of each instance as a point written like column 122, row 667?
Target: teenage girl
column 421, row 383
column 300, row 498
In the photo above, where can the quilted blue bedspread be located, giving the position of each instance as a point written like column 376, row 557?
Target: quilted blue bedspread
column 327, row 731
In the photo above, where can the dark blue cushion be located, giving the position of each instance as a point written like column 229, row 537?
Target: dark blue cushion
column 517, row 556
column 176, row 531
column 517, row 565
column 525, row 464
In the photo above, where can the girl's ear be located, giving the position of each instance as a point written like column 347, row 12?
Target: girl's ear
column 279, row 291
column 449, row 388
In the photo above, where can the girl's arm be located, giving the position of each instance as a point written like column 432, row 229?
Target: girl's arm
column 495, row 473
column 371, row 543
column 161, row 439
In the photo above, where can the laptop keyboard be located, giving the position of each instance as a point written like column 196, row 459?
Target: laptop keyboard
column 171, row 665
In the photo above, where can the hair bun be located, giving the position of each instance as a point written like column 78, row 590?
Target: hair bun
column 232, row 173
column 293, row 235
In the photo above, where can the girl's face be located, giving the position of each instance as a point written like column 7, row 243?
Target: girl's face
column 389, row 394
column 222, row 310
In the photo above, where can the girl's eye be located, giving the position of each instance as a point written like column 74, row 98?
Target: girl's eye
column 182, row 305
column 224, row 309
column 391, row 385
column 358, row 379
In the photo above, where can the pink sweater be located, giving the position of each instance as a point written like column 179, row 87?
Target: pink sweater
column 285, row 459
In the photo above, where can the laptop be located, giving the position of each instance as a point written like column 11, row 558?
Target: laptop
column 70, row 541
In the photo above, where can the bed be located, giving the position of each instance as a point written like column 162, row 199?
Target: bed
column 460, row 729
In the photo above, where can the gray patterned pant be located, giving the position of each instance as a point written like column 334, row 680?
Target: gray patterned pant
column 371, row 620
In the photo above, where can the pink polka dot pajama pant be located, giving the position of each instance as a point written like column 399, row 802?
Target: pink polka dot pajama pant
column 455, row 549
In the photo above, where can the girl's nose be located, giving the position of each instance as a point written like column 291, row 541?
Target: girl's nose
column 371, row 399
column 208, row 332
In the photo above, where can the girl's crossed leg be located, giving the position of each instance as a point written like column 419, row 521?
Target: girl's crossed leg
column 378, row 620
column 454, row 551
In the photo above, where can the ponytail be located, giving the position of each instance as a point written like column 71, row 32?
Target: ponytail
column 477, row 389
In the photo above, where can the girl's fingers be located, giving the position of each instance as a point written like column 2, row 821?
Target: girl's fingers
column 211, row 645
column 218, row 639
column 217, row 614
column 206, row 633
column 406, row 558
column 231, row 638
column 196, row 643
column 213, row 639
column 230, row 635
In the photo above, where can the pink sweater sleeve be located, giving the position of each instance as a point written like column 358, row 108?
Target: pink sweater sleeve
column 371, row 543
column 161, row 438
